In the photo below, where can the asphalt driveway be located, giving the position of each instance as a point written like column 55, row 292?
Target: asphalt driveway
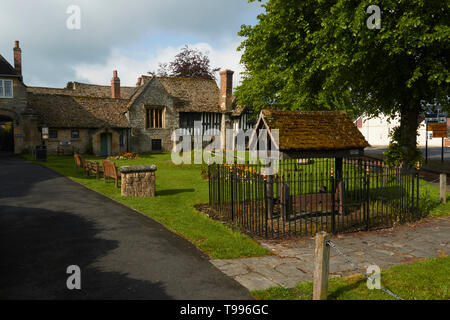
column 48, row 222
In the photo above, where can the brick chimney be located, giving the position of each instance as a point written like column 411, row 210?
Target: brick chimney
column 17, row 57
column 115, row 86
column 226, row 89
column 139, row 82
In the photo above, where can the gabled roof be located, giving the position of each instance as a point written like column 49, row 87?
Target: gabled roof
column 65, row 111
column 84, row 89
column 189, row 94
column 192, row 95
column 7, row 69
column 90, row 106
column 314, row 130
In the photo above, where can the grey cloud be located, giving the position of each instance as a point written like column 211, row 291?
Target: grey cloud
column 50, row 49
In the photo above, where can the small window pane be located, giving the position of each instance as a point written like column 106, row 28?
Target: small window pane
column 75, row 134
column 53, row 134
column 8, row 88
column 1, row 88
column 155, row 118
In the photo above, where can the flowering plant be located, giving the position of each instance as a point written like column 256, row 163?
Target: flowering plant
column 124, row 156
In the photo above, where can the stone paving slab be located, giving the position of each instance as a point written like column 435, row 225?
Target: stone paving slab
column 292, row 259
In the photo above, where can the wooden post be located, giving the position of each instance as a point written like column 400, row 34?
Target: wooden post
column 321, row 266
column 443, row 187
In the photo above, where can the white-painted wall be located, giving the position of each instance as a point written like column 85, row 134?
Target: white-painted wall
column 376, row 131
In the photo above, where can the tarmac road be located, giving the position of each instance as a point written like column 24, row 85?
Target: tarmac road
column 48, row 222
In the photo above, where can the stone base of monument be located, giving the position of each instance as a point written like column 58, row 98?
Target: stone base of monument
column 138, row 181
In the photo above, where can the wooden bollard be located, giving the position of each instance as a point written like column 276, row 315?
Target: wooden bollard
column 321, row 266
column 443, row 187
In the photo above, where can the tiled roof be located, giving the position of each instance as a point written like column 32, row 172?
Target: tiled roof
column 65, row 111
column 89, row 106
column 6, row 68
column 192, row 95
column 314, row 130
column 85, row 89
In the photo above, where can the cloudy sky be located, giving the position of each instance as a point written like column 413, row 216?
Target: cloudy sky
column 131, row 36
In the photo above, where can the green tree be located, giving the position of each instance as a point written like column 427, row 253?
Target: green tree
column 321, row 55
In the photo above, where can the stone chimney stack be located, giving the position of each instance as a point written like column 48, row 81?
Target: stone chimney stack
column 139, row 82
column 17, row 57
column 115, row 86
column 226, row 89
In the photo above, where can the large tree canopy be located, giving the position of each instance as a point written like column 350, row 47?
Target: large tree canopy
column 320, row 54
column 188, row 63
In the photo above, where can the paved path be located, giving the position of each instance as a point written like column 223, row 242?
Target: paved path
column 293, row 259
column 48, row 222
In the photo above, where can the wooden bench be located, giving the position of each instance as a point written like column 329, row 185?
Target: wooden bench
column 79, row 162
column 87, row 166
column 110, row 171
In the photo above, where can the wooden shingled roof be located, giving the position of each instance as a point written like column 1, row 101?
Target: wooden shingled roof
column 314, row 130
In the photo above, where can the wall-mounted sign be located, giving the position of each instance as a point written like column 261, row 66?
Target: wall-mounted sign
column 44, row 130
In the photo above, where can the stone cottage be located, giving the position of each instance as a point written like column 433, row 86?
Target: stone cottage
column 109, row 119
column 15, row 113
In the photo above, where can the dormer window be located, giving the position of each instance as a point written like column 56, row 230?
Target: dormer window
column 6, row 88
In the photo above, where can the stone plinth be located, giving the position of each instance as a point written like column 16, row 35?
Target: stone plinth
column 138, row 181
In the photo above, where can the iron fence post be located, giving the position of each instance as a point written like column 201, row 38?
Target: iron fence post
column 266, row 212
column 209, row 185
column 367, row 196
column 232, row 196
column 333, row 200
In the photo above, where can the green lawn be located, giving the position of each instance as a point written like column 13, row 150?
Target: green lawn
column 178, row 189
column 424, row 280
column 430, row 200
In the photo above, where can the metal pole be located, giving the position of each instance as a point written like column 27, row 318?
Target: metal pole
column 442, row 151
column 426, row 146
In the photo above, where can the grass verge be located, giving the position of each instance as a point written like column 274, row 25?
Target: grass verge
column 423, row 280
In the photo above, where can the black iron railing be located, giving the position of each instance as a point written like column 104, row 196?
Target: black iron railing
column 310, row 195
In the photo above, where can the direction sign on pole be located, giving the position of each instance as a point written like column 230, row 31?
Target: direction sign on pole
column 439, row 129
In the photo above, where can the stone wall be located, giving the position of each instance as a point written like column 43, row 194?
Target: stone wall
column 141, row 137
column 79, row 145
column 138, row 181
column 25, row 120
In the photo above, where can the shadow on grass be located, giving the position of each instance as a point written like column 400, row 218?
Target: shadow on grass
column 170, row 192
column 339, row 292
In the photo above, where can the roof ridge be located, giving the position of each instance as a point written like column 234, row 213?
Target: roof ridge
column 76, row 96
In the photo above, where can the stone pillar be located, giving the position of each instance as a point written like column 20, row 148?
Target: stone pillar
column 138, row 181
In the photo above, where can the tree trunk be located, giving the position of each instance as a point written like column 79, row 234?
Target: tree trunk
column 409, row 124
